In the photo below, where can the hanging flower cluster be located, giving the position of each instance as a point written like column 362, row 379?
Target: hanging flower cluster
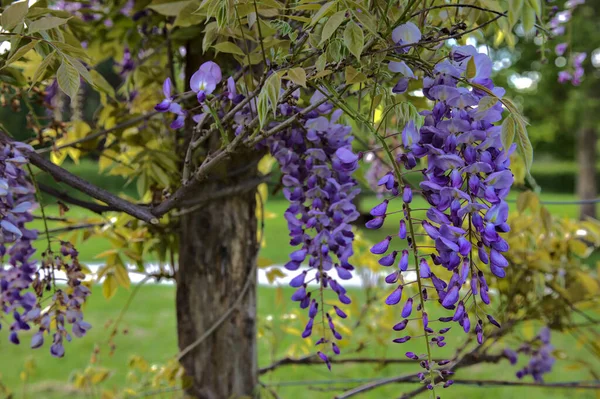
column 541, row 359
column 465, row 183
column 22, row 282
column 317, row 163
column 17, row 200
column 574, row 70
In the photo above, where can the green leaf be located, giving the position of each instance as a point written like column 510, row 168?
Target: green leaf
column 536, row 5
column 228, row 47
column 46, row 23
column 508, row 131
column 354, row 39
column 109, row 286
column 14, row 14
column 102, row 84
column 169, row 8
column 211, row 33
column 298, row 76
column 367, row 21
column 70, row 50
column 80, row 68
column 523, row 144
column 321, row 62
column 471, row 68
column 68, row 79
column 187, row 17
column 325, row 8
column 354, row 76
column 21, row 51
column 514, row 11
column 269, row 95
column 273, row 90
column 161, row 176
column 528, row 19
column 332, row 24
column 41, row 70
column 486, row 103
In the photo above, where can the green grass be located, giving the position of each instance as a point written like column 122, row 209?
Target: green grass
column 152, row 334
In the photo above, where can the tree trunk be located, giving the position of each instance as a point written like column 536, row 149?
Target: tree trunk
column 217, row 272
column 586, row 179
column 218, row 251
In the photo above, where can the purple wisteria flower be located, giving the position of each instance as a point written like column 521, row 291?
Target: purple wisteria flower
column 574, row 72
column 317, row 163
column 22, row 282
column 406, row 34
column 561, row 48
column 204, row 81
column 466, row 181
column 540, row 352
column 169, row 105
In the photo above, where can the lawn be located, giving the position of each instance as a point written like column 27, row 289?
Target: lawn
column 152, row 334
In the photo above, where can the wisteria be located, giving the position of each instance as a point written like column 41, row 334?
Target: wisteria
column 317, row 162
column 18, row 270
column 465, row 183
column 23, row 281
column 539, row 350
column 317, row 171
column 574, row 70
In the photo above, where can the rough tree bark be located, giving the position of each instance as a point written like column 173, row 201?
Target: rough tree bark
column 218, row 251
column 586, row 179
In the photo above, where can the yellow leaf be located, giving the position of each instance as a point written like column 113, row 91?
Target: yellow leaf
column 354, row 76
column 108, row 395
column 121, row 274
column 110, row 285
column 98, row 377
column 528, row 331
column 589, row 283
column 579, row 248
column 106, row 253
column 274, row 274
column 228, row 47
column 322, row 74
column 297, row 75
column 471, row 68
column 264, row 262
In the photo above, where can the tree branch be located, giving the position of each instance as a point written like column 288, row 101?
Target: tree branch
column 64, row 197
column 63, row 175
column 100, row 133
column 310, row 360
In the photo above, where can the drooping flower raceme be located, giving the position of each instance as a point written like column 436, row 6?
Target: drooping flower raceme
column 574, row 70
column 317, row 163
column 17, row 200
column 22, row 281
column 541, row 359
column 465, row 183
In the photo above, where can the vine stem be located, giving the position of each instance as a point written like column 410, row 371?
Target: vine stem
column 39, row 198
column 38, row 195
column 415, row 251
